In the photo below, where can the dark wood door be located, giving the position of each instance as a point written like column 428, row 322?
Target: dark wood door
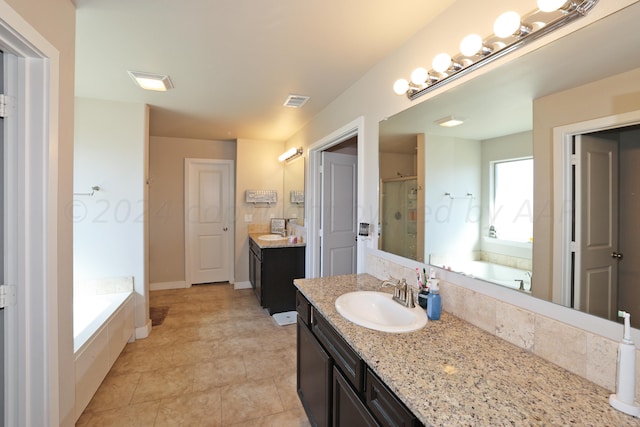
column 314, row 377
column 348, row 409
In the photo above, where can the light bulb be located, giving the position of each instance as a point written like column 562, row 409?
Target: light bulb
column 419, row 76
column 401, row 86
column 550, row 5
column 441, row 62
column 506, row 24
column 471, row 44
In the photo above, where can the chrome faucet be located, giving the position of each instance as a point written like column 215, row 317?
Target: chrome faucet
column 402, row 292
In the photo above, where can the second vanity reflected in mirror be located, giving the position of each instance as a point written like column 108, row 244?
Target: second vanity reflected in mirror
column 478, row 198
column 294, row 189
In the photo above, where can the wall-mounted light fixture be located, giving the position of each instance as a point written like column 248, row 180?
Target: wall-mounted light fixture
column 510, row 32
column 290, row 154
column 149, row 81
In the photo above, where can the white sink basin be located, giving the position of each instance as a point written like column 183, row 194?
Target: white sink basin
column 271, row 237
column 376, row 310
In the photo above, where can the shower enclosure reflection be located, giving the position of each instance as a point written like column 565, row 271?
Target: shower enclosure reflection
column 399, row 198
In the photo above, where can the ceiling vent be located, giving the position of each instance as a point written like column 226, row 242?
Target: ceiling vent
column 295, row 101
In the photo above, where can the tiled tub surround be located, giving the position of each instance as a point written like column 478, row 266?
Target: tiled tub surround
column 99, row 344
column 453, row 373
column 103, row 322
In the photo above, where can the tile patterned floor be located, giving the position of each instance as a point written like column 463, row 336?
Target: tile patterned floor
column 217, row 360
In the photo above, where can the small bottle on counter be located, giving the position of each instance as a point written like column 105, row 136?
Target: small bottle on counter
column 434, row 303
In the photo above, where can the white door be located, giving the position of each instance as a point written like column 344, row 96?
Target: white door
column 208, row 226
column 596, row 269
column 339, row 214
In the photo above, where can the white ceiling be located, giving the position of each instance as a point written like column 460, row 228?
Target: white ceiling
column 234, row 62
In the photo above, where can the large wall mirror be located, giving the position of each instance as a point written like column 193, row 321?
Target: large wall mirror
column 478, row 198
column 294, row 190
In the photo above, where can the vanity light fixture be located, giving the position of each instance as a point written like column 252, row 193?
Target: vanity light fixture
column 511, row 32
column 290, row 154
column 149, row 81
column 509, row 24
column 450, row 121
column 472, row 44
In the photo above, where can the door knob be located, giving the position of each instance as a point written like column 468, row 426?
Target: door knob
column 616, row 255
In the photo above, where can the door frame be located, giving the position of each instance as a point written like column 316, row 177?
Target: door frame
column 313, row 198
column 32, row 386
column 562, row 184
column 229, row 214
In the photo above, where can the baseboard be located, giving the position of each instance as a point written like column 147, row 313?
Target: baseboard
column 143, row 331
column 161, row 286
column 242, row 285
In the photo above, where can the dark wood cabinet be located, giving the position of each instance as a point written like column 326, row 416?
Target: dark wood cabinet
column 348, row 409
column 271, row 272
column 313, row 377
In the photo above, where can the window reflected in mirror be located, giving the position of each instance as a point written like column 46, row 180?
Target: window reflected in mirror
column 512, row 201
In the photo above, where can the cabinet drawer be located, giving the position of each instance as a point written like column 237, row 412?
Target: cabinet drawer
column 343, row 355
column 303, row 308
column 385, row 406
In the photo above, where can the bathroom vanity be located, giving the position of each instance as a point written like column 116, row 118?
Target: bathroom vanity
column 334, row 383
column 273, row 264
column 447, row 373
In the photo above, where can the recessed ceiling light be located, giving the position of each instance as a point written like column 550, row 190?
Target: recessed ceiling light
column 149, row 81
column 450, row 121
column 295, row 101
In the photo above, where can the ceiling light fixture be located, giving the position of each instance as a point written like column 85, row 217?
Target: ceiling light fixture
column 450, row 121
column 511, row 32
column 290, row 154
column 150, row 81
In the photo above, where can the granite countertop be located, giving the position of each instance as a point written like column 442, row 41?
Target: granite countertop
column 453, row 373
column 281, row 243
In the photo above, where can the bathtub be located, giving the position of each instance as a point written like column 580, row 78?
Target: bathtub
column 496, row 273
column 102, row 325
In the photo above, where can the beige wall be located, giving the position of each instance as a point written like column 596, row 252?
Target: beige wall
column 613, row 95
column 55, row 21
column 166, row 200
column 392, row 165
column 257, row 168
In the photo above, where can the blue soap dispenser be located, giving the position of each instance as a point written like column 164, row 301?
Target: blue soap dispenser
column 434, row 304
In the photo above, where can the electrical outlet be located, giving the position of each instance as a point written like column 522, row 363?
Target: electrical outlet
column 248, row 217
